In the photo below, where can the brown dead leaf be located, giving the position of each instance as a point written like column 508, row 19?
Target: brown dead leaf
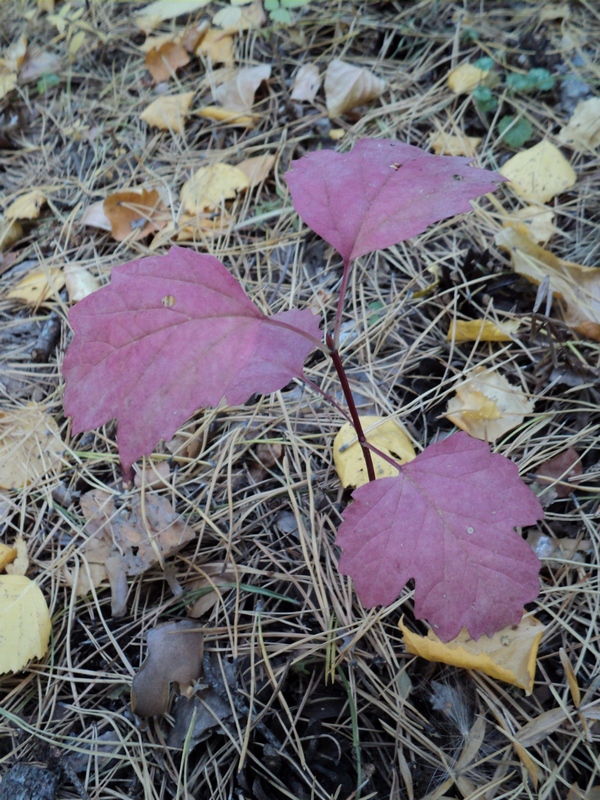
column 174, row 656
column 216, row 45
column 565, row 468
column 208, row 588
column 152, row 474
column 257, row 168
column 210, row 186
column 134, row 213
column 577, row 286
column 454, row 144
column 307, row 84
column 237, row 94
column 582, row 132
column 162, row 63
column 347, row 86
column 168, row 112
column 27, row 206
column 30, row 446
column 487, row 406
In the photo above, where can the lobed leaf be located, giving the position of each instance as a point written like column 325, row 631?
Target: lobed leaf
column 168, row 335
column 381, row 193
column 447, row 521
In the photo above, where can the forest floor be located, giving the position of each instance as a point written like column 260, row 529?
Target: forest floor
column 304, row 693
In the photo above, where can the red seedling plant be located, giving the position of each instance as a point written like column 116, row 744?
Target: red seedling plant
column 174, row 333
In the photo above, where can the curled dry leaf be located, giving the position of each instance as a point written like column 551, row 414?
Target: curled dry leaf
column 210, row 186
column 347, row 86
column 480, row 330
column 95, row 216
column 24, row 621
column 125, row 541
column 448, row 144
column 386, row 435
column 307, row 84
column 539, row 222
column 163, row 62
column 465, row 78
column 583, row 129
column 216, row 45
column 487, row 406
column 577, row 286
column 174, row 656
column 257, row 168
column 237, row 93
column 30, row 446
column 38, row 286
column 559, row 471
column 168, row 112
column 134, row 213
column 80, row 282
column 234, row 118
column 208, row 588
column 509, row 655
column 27, row 206
column 10, row 232
column 539, row 173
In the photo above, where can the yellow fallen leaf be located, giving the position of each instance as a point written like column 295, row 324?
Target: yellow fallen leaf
column 38, row 286
column 576, row 285
column 257, row 168
column 10, row 232
column 385, row 434
column 7, row 555
column 347, row 86
column 152, row 15
column 134, row 213
column 539, row 222
column 27, row 206
column 24, row 621
column 552, row 11
column 163, row 62
column 337, row 134
column 474, row 330
column 582, row 132
column 235, row 19
column 453, row 144
column 191, row 227
column 168, row 112
column 235, row 118
column 8, row 82
column 80, row 282
column 486, row 405
column 539, row 173
column 217, row 45
column 237, row 93
column 30, row 446
column 465, row 78
column 14, row 55
column 508, row 656
column 209, row 187
column 20, row 564
column 156, row 42
column 306, row 84
column 76, row 43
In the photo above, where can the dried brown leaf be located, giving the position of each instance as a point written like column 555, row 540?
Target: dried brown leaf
column 162, row 63
column 134, row 213
column 347, row 86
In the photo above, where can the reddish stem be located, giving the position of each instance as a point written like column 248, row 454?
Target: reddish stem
column 340, row 305
column 341, row 372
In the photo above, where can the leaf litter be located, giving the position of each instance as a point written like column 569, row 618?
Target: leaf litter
column 399, row 353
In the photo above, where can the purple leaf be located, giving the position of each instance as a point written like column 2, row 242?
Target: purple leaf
column 381, row 192
column 447, row 521
column 171, row 334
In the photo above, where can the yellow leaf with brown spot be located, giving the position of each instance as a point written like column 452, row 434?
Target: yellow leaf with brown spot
column 30, row 446
column 27, row 206
column 509, row 655
column 38, row 286
column 480, row 330
column 134, row 213
column 448, row 144
column 385, row 434
column 25, row 623
column 539, row 173
column 168, row 112
column 209, row 187
column 163, row 62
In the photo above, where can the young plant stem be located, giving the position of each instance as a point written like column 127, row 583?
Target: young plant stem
column 340, row 305
column 341, row 372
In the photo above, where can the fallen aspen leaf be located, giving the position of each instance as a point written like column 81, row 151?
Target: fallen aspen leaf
column 95, row 216
column 582, row 132
column 539, row 222
column 27, row 206
column 563, row 467
column 257, row 168
column 10, row 232
column 24, row 621
column 576, row 285
column 30, row 446
column 217, row 45
column 134, row 213
column 347, row 86
column 162, row 63
column 453, row 145
column 237, row 94
column 80, row 282
column 234, row 19
column 487, row 406
column 219, row 114
column 386, row 435
column 152, row 15
column 168, row 112
column 465, row 78
column 20, row 564
column 209, row 586
column 539, row 173
column 474, row 330
column 38, row 286
column 7, row 555
column 307, row 84
column 509, row 655
column 174, row 656
column 209, row 187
